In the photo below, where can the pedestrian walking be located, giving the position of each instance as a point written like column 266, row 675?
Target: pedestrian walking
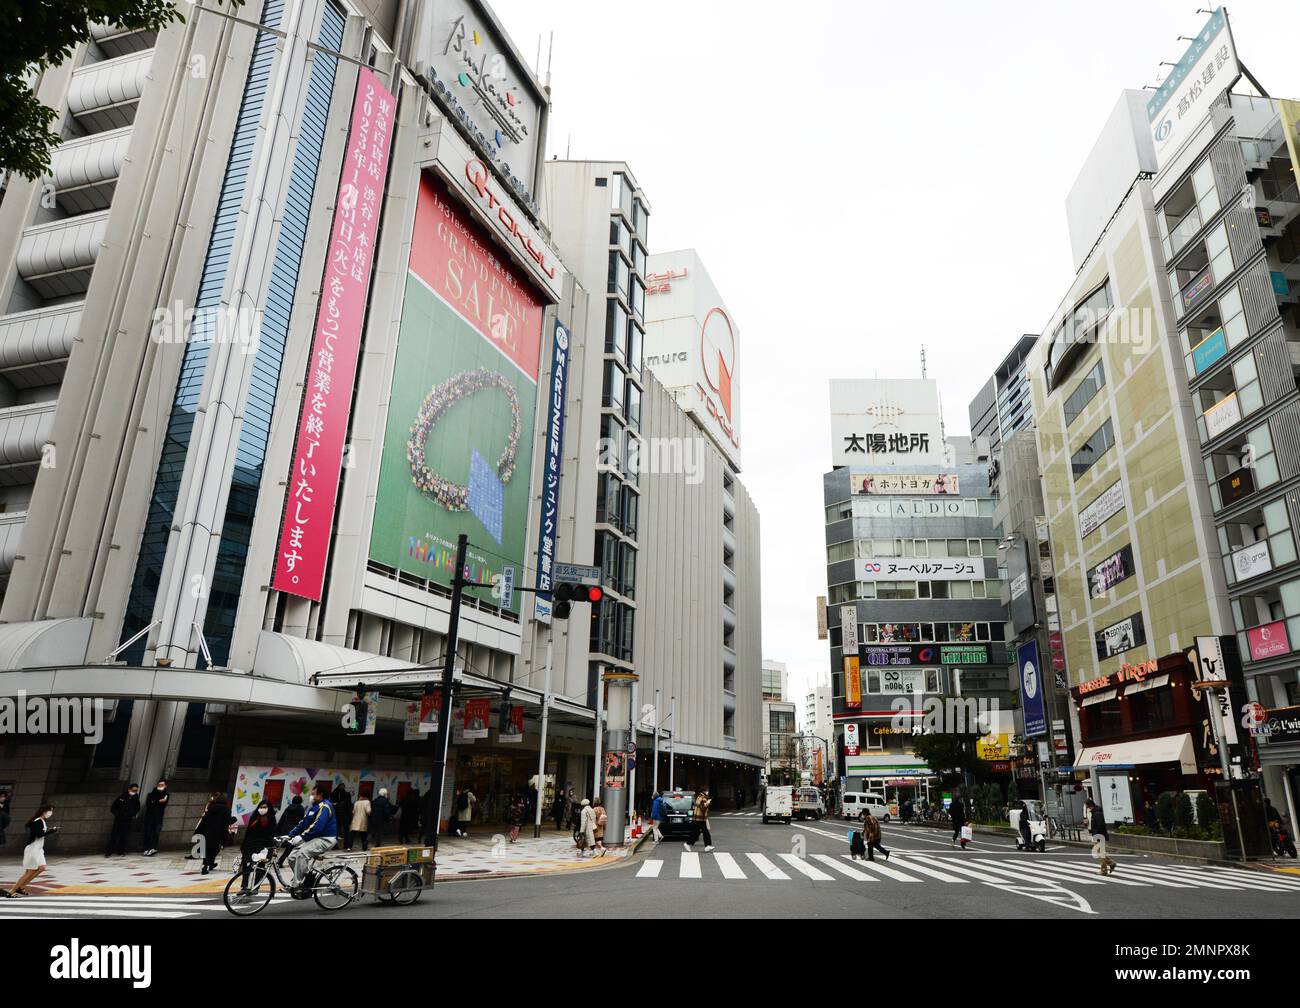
column 124, row 809
column 1097, row 827
column 215, row 829
column 382, row 812
column 38, row 828
column 408, row 825
column 358, row 825
column 518, row 809
column 656, row 817
column 259, row 834
column 154, row 807
column 957, row 812
column 871, row 836
column 5, row 818
column 586, row 828
column 292, row 816
column 465, row 802
column 602, row 820
column 700, row 821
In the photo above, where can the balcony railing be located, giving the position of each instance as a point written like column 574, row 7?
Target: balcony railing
column 1181, row 233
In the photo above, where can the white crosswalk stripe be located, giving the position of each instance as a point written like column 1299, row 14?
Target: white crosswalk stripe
column 767, row 868
column 802, row 866
column 906, row 867
column 123, row 907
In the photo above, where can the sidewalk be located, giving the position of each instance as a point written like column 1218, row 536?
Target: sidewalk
column 484, row 854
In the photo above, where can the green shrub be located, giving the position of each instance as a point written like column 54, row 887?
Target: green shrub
column 1013, row 792
column 1207, row 812
column 1183, row 813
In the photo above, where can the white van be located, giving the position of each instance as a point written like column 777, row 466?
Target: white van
column 808, row 803
column 853, row 803
column 778, row 803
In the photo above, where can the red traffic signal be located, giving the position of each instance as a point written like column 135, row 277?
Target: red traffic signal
column 568, row 593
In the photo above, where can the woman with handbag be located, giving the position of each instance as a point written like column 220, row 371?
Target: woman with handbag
column 598, row 811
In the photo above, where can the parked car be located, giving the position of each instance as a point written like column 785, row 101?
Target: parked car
column 853, row 803
column 677, row 813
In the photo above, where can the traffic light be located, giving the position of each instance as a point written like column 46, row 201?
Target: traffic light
column 567, row 593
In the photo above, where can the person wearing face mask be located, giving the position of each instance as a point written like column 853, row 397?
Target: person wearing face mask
column 124, row 809
column 34, row 853
column 154, row 807
column 258, row 836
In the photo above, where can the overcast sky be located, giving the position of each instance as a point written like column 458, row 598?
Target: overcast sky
column 860, row 179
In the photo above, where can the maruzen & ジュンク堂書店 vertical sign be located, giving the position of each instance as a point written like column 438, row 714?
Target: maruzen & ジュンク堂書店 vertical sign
column 331, row 370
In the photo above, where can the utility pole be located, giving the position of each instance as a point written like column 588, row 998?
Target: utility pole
column 442, row 736
column 546, row 714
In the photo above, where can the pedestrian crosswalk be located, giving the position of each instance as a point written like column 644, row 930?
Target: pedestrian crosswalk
column 927, row 867
column 124, row 907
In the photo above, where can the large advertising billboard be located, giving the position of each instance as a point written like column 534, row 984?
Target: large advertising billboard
column 457, row 453
column 1031, row 689
column 313, row 484
column 1208, row 68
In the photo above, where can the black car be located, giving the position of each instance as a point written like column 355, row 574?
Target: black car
column 678, row 816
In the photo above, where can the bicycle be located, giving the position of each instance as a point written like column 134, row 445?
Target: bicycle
column 332, row 887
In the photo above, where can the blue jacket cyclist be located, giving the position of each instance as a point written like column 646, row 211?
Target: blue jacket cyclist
column 317, row 833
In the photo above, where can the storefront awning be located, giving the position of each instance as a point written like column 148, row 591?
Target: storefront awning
column 1102, row 697
column 1167, row 749
column 1146, row 684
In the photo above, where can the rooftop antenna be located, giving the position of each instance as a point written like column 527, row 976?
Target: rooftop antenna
column 537, row 63
column 568, row 149
column 550, row 48
column 922, row 362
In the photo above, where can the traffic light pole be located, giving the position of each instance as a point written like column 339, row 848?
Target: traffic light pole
column 546, row 715
column 442, row 736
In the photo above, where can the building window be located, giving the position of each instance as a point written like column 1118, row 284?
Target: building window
column 1084, row 393
column 1101, row 441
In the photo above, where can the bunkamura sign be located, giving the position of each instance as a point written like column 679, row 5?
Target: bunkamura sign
column 1105, row 505
column 552, row 459
column 313, row 483
column 905, row 483
column 692, row 343
column 465, row 61
column 910, row 569
column 457, row 452
column 1207, row 69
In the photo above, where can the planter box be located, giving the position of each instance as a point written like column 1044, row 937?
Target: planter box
column 1206, row 850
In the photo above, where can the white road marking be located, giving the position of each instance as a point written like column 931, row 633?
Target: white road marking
column 767, row 868
column 730, row 869
column 802, row 866
column 690, row 866
column 650, row 869
column 852, row 873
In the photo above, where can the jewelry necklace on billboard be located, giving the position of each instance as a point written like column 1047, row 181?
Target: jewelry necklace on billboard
column 455, row 496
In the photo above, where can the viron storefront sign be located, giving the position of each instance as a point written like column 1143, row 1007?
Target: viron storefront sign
column 313, row 483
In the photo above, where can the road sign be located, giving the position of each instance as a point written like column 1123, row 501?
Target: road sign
column 541, row 609
column 576, row 574
column 631, row 748
column 507, row 586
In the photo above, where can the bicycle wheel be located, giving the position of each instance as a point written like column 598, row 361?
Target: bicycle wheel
column 245, row 902
column 405, row 887
column 336, row 887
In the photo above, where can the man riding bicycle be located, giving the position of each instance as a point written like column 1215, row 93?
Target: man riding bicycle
column 317, row 833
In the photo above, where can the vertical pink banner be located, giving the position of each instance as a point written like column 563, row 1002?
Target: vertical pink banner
column 313, row 482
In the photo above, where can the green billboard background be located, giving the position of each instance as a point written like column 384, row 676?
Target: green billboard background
column 411, row 531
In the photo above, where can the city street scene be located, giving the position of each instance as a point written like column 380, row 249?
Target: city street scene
column 581, row 461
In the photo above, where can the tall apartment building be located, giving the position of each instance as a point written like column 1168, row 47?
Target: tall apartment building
column 1138, row 570
column 1004, row 406
column 1227, row 214
column 818, row 721
column 780, row 717
column 673, row 525
column 912, row 577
